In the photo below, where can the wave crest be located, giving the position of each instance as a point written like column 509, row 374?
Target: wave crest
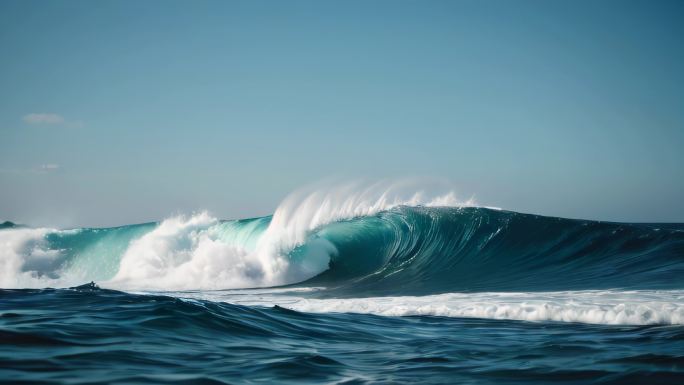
column 201, row 252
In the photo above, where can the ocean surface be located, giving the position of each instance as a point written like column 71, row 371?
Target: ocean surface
column 345, row 289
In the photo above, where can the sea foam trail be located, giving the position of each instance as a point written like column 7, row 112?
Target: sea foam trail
column 608, row 307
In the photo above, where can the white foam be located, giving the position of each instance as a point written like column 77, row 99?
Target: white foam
column 25, row 260
column 193, row 252
column 610, row 307
column 185, row 253
column 307, row 209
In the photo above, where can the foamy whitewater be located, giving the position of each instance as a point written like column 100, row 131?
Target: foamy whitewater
column 609, row 307
column 338, row 268
column 201, row 252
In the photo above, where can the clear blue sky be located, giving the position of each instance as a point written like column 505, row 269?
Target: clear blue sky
column 129, row 111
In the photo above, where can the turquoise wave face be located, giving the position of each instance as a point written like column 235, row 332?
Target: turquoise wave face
column 432, row 250
column 402, row 251
column 94, row 254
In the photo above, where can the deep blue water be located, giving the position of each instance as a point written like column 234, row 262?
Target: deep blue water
column 86, row 335
column 404, row 295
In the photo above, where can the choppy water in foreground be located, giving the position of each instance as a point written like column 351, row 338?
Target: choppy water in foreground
column 346, row 293
column 87, row 335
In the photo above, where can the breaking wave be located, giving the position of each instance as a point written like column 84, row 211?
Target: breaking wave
column 381, row 251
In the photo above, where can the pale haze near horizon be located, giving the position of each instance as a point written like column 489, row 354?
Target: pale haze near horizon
column 122, row 112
